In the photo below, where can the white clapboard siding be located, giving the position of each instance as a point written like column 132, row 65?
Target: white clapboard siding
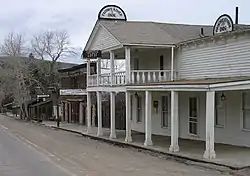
column 212, row 60
column 103, row 40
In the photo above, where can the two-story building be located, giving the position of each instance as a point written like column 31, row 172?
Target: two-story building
column 73, row 83
column 180, row 80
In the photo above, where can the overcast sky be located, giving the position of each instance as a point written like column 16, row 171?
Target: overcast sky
column 79, row 16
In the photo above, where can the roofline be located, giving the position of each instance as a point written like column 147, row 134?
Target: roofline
column 236, row 32
column 77, row 67
column 149, row 45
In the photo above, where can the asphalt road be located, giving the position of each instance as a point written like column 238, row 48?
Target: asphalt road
column 30, row 150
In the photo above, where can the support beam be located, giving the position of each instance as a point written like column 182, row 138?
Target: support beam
column 148, row 114
column 99, row 113
column 174, row 147
column 127, row 64
column 112, row 66
column 172, row 64
column 88, row 112
column 98, row 69
column 88, row 71
column 210, row 110
column 112, row 115
column 81, row 113
column 128, row 117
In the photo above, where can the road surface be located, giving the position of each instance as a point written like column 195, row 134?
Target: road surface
column 30, row 150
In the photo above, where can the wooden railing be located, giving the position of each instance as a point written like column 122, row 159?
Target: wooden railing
column 149, row 76
column 136, row 77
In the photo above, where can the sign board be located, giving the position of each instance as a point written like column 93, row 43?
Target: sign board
column 92, row 54
column 73, row 92
column 43, row 96
column 223, row 24
column 112, row 12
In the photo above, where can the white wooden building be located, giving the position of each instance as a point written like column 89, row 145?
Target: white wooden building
column 183, row 81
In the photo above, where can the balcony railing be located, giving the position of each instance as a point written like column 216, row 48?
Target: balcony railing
column 137, row 77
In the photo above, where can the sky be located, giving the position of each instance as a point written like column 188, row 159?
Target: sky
column 78, row 17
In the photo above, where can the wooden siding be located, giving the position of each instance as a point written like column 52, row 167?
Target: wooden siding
column 224, row 58
column 103, row 40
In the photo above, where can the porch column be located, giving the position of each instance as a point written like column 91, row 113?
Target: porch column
column 88, row 72
column 112, row 115
column 127, row 64
column 172, row 63
column 88, row 112
column 112, row 68
column 70, row 112
column 128, row 117
column 81, row 113
column 210, row 110
column 174, row 147
column 98, row 70
column 148, row 114
column 99, row 113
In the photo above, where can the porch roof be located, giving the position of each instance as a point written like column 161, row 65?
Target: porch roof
column 207, row 81
column 153, row 33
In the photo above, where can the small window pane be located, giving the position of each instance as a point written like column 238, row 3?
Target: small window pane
column 192, row 128
column 246, row 100
column 193, row 107
column 246, row 119
column 165, row 111
column 139, row 116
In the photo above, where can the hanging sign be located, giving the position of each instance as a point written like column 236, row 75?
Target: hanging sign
column 112, row 12
column 91, row 54
column 223, row 24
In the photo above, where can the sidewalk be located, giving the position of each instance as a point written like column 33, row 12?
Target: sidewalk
column 232, row 157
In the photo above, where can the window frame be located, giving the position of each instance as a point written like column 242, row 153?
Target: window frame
column 196, row 121
column 138, row 109
column 167, row 111
column 219, row 107
column 242, row 111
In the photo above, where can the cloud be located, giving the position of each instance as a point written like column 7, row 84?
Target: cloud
column 79, row 16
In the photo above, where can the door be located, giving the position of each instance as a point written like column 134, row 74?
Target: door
column 193, row 115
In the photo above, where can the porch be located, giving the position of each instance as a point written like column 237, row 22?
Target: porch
column 227, row 155
column 136, row 77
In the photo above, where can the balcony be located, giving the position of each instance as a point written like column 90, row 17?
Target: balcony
column 136, row 77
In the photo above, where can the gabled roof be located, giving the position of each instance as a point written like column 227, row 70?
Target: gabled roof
column 135, row 32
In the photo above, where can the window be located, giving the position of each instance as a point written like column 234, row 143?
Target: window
column 165, row 111
column 193, row 113
column 246, row 110
column 220, row 112
column 161, row 64
column 138, row 113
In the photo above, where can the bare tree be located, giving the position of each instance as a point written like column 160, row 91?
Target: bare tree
column 52, row 45
column 13, row 45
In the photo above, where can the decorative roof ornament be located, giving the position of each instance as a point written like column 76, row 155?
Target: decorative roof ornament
column 112, row 12
column 223, row 24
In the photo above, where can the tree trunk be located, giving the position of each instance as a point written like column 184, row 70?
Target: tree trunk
column 26, row 111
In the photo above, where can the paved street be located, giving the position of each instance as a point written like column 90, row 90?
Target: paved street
column 26, row 149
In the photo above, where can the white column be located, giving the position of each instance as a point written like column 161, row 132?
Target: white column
column 128, row 117
column 99, row 113
column 88, row 112
column 174, row 147
column 81, row 112
column 127, row 64
column 148, row 114
column 112, row 115
column 210, row 110
column 112, row 67
column 98, row 69
column 172, row 64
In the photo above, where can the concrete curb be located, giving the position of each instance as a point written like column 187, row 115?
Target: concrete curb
column 174, row 156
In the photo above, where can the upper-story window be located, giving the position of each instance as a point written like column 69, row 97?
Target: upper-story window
column 161, row 64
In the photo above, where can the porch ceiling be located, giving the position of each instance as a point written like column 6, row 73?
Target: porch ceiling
column 215, row 84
